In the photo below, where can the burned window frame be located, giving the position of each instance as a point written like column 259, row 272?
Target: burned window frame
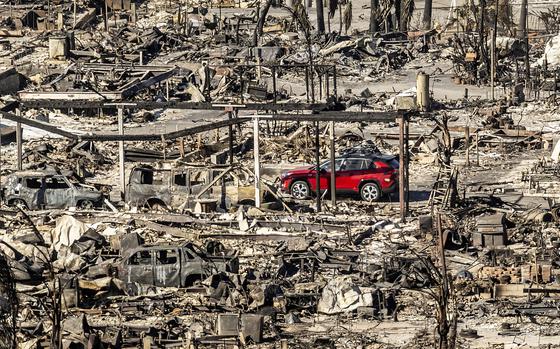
column 175, row 253
column 130, row 258
column 58, row 180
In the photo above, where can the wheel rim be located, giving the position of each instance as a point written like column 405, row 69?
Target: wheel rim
column 86, row 205
column 299, row 190
column 369, row 193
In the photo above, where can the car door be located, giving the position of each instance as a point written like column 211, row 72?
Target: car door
column 193, row 266
column 167, row 268
column 32, row 190
column 347, row 178
column 325, row 174
column 139, row 268
column 180, row 188
column 360, row 170
column 58, row 192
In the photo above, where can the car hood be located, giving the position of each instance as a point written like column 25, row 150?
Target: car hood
column 298, row 171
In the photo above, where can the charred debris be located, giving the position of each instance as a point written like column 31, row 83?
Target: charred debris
column 279, row 174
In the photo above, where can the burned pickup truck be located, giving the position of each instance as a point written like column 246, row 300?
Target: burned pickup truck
column 48, row 190
column 173, row 265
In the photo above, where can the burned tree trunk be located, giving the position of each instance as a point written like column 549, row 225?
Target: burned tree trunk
column 320, row 17
column 427, row 17
column 260, row 22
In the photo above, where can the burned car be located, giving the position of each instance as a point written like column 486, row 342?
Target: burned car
column 181, row 187
column 48, row 190
column 173, row 265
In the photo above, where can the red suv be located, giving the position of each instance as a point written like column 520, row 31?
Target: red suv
column 371, row 175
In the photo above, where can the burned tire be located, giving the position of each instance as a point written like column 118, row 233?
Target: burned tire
column 370, row 192
column 19, row 203
column 85, row 205
column 300, row 190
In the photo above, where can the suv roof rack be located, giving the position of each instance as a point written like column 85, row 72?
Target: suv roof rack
column 366, row 149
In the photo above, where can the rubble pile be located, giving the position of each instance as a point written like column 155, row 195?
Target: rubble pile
column 278, row 174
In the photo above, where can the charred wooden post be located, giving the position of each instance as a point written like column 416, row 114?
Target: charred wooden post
column 256, row 155
column 467, row 147
column 320, row 17
column 402, row 164
column 307, row 83
column 427, row 16
column 121, row 153
column 492, row 62
column 398, row 15
column 333, row 167
column 476, row 147
column 19, row 142
column 317, row 166
column 230, row 138
column 407, row 159
column 481, row 38
column 373, row 20
column 522, row 26
column 274, row 87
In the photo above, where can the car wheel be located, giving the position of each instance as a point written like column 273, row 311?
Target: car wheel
column 86, row 205
column 370, row 192
column 300, row 190
column 19, row 203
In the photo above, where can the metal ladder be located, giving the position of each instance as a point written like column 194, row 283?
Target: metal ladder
column 442, row 189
